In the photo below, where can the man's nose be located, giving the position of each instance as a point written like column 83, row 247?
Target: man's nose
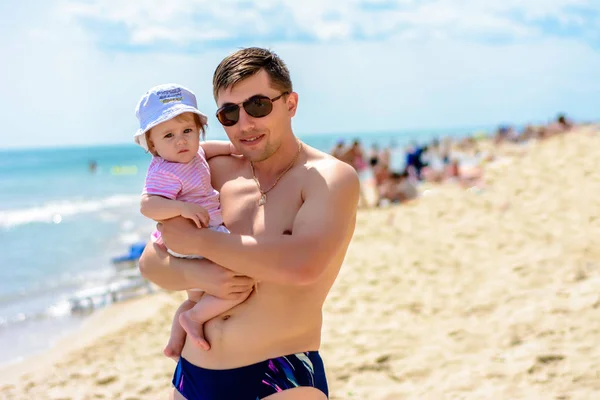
column 245, row 122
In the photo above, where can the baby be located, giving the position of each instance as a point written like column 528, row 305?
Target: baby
column 178, row 184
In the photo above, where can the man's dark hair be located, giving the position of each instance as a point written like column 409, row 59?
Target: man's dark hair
column 246, row 62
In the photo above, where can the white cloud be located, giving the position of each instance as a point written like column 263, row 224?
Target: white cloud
column 334, row 20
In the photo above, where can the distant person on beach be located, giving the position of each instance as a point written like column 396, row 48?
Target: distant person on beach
column 342, row 153
column 385, row 156
column 355, row 155
column 374, row 154
column 563, row 122
column 338, row 151
column 291, row 210
column 398, row 189
column 414, row 160
column 381, row 172
column 178, row 183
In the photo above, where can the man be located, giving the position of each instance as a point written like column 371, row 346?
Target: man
column 414, row 159
column 291, row 210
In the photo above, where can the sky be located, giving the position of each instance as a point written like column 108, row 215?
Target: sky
column 72, row 71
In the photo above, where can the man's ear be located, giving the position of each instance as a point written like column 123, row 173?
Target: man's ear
column 292, row 103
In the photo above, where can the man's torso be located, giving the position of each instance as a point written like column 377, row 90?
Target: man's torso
column 275, row 320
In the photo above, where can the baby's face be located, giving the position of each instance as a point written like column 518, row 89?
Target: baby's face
column 176, row 140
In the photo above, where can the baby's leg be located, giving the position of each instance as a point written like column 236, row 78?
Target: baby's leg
column 177, row 338
column 207, row 308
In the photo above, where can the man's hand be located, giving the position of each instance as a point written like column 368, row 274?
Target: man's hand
column 196, row 213
column 224, row 283
column 174, row 273
column 179, row 235
column 233, row 150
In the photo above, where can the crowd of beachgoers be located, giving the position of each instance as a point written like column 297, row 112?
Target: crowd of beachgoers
column 448, row 160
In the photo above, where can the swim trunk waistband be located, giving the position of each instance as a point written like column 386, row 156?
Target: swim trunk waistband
column 251, row 382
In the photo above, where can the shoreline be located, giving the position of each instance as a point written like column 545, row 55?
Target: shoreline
column 102, row 322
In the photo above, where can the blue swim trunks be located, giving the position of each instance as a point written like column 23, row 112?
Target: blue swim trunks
column 251, row 382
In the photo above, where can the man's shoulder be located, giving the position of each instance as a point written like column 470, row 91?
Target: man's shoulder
column 225, row 167
column 324, row 167
column 330, row 182
column 225, row 161
column 327, row 164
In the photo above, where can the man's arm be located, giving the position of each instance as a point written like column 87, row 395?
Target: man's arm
column 321, row 226
column 174, row 273
column 213, row 148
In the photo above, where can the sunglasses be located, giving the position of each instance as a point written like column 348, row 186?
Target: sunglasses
column 256, row 106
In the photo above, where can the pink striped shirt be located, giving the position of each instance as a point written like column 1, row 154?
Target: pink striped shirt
column 185, row 182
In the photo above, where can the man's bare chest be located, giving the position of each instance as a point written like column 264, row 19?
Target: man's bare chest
column 243, row 213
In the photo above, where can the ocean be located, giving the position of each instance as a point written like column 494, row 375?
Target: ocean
column 61, row 223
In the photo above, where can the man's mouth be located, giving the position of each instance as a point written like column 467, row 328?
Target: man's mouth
column 252, row 139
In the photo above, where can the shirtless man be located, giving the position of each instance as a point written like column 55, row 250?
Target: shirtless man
column 291, row 210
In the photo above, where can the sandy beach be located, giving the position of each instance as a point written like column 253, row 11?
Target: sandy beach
column 491, row 293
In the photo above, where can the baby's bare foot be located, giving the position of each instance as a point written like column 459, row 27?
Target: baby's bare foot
column 194, row 330
column 174, row 347
column 171, row 352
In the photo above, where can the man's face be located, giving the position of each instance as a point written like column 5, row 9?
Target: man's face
column 258, row 138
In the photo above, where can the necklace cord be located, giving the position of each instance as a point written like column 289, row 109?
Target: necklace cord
column 264, row 192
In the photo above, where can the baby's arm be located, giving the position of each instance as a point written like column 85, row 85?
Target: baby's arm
column 213, row 148
column 160, row 208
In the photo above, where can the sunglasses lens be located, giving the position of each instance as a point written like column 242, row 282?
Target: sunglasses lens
column 255, row 106
column 229, row 115
column 258, row 106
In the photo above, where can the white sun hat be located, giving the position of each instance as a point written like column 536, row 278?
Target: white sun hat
column 162, row 103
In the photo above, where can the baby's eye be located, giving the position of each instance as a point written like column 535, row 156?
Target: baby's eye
column 168, row 136
column 188, row 130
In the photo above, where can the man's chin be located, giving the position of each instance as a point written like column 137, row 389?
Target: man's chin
column 255, row 156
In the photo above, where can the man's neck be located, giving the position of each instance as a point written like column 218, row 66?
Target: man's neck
column 274, row 166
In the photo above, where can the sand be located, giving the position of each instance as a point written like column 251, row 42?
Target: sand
column 464, row 294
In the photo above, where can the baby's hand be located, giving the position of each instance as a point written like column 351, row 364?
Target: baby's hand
column 233, row 150
column 196, row 213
